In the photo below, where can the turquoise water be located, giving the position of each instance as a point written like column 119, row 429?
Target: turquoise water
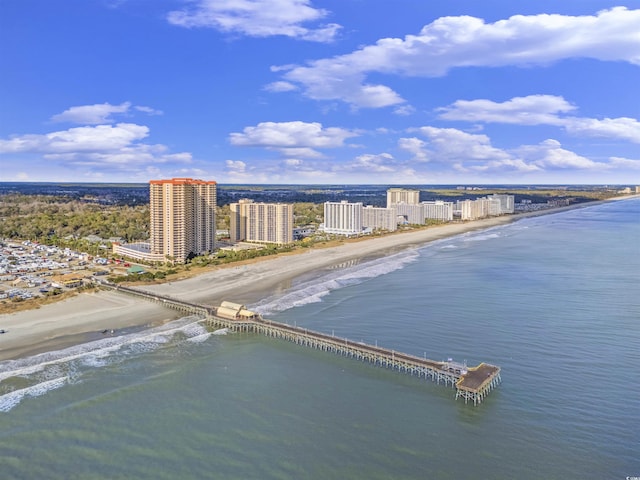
column 553, row 300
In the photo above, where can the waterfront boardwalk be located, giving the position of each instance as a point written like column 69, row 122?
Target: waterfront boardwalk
column 471, row 383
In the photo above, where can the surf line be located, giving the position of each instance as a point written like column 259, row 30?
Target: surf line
column 473, row 384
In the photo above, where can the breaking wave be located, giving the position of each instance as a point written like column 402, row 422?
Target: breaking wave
column 313, row 291
column 47, row 371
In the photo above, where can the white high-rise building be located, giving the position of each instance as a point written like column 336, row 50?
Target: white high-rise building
column 343, row 218
column 402, row 195
column 379, row 218
column 183, row 217
column 507, row 203
column 470, row 209
column 410, row 213
column 438, row 210
column 261, row 222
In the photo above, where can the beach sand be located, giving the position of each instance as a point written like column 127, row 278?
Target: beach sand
column 74, row 320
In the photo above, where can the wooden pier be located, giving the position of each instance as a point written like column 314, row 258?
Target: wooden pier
column 473, row 384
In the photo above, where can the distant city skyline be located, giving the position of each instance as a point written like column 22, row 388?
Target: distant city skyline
column 320, row 92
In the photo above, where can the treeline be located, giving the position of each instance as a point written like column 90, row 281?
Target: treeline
column 52, row 219
column 64, row 221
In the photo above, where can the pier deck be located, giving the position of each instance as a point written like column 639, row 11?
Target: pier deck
column 472, row 384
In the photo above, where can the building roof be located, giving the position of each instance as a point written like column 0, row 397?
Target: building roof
column 183, row 181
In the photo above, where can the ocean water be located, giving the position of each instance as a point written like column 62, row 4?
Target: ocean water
column 554, row 300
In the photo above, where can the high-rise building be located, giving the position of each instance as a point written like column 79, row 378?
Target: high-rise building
column 183, row 217
column 410, row 213
column 507, row 202
column 261, row 222
column 402, row 195
column 379, row 218
column 343, row 218
column 438, row 210
column 238, row 220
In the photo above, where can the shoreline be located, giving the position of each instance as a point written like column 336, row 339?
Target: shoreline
column 77, row 319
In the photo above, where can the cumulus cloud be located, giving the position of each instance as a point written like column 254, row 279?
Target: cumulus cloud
column 91, row 114
column 549, row 154
column 541, row 110
column 380, row 163
column 100, row 145
column 258, row 18
column 623, row 128
column 415, row 146
column 79, row 139
column 236, row 166
column 628, row 163
column 451, row 144
column 99, row 113
column 530, row 110
column 296, row 138
column 467, row 152
column 464, row 41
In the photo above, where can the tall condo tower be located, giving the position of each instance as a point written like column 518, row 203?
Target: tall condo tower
column 343, row 218
column 402, row 195
column 183, row 217
column 261, row 222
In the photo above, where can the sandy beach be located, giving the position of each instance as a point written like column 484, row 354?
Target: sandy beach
column 74, row 320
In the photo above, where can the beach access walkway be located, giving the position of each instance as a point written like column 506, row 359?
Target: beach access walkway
column 471, row 383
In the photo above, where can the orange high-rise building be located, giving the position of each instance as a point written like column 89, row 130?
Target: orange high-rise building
column 183, row 217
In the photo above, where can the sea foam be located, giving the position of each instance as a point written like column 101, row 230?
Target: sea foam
column 11, row 399
column 48, row 369
column 314, row 290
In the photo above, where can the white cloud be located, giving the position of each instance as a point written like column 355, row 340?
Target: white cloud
column 380, row 163
column 91, row 114
column 541, row 110
column 148, row 110
column 549, row 154
column 450, row 42
column 404, row 110
column 280, row 87
column 621, row 128
column 292, row 138
column 628, row 163
column 258, row 18
column 450, row 144
column 530, row 110
column 415, row 146
column 236, row 166
column 97, row 146
column 99, row 113
column 474, row 153
column 78, row 139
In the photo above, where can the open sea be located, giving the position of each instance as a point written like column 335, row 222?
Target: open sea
column 554, row 300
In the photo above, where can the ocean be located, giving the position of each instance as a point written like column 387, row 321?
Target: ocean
column 553, row 300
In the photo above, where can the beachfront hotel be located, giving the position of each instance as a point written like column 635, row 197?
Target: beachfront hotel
column 261, row 222
column 343, row 218
column 183, row 218
column 402, row 195
column 490, row 206
column 379, row 218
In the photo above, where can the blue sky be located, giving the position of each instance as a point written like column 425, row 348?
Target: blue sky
column 321, row 91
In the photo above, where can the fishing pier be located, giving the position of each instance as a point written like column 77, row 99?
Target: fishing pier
column 472, row 384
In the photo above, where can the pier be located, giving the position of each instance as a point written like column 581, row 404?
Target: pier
column 472, row 384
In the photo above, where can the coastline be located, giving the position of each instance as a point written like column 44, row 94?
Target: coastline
column 75, row 320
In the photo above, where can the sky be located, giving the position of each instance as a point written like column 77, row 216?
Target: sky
column 321, row 91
